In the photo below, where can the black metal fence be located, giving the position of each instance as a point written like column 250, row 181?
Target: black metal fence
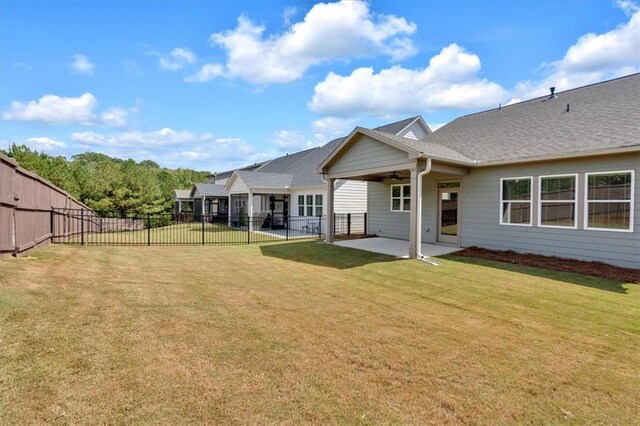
column 76, row 227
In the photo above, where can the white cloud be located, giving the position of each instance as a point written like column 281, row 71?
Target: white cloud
column 82, row 64
column 292, row 141
column 450, row 81
column 132, row 67
column 44, row 143
column 435, row 126
column 593, row 58
column 329, row 31
column 171, row 148
column 329, row 128
column 115, row 117
column 289, row 12
column 206, row 73
column 53, row 109
column 178, row 59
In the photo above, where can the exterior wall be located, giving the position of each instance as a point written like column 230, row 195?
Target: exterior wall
column 415, row 131
column 480, row 214
column 386, row 223
column 367, row 153
column 350, row 196
column 293, row 203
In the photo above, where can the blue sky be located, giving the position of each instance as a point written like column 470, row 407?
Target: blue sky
column 214, row 85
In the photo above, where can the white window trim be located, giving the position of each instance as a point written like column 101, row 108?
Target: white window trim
column 402, row 198
column 313, row 204
column 631, row 201
column 502, row 201
column 575, row 202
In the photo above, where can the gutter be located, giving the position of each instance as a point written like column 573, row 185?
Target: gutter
column 419, row 213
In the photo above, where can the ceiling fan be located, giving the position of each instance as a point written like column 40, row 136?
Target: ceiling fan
column 395, row 176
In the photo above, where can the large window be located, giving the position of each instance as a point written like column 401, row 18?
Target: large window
column 608, row 201
column 557, row 199
column 310, row 205
column 400, row 198
column 515, row 201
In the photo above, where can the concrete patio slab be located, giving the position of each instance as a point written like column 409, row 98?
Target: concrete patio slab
column 392, row 247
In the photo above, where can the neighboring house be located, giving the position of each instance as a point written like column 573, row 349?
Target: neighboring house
column 289, row 187
column 555, row 175
column 210, row 200
column 182, row 201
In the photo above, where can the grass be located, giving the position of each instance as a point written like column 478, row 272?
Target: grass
column 303, row 332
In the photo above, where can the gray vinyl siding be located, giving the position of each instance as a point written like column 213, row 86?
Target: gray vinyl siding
column 350, row 196
column 368, row 153
column 480, row 214
column 386, row 223
column 382, row 221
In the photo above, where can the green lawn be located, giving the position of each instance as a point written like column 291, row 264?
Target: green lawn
column 303, row 332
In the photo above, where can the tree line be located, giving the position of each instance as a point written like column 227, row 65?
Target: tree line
column 109, row 185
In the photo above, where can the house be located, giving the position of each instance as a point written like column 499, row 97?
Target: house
column 555, row 175
column 288, row 188
column 182, row 201
column 209, row 200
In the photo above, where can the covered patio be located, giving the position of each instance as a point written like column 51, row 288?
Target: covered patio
column 413, row 193
column 394, row 247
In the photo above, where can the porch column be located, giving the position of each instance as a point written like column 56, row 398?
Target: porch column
column 179, row 206
column 202, row 210
column 250, row 209
column 229, row 210
column 413, row 215
column 330, row 197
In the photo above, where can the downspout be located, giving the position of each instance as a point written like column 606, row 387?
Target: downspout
column 419, row 227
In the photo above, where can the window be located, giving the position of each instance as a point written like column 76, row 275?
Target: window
column 557, row 206
column 400, row 198
column 608, row 201
column 515, row 201
column 310, row 204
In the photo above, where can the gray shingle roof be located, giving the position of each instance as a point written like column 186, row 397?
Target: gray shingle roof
column 304, row 172
column 600, row 116
column 394, row 128
column 264, row 180
column 425, row 146
column 210, row 190
column 280, row 164
column 181, row 194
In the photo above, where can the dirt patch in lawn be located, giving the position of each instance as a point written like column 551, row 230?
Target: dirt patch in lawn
column 595, row 269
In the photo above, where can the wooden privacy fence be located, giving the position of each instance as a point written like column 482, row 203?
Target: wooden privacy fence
column 26, row 204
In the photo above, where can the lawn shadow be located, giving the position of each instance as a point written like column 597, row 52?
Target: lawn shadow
column 327, row 255
column 567, row 277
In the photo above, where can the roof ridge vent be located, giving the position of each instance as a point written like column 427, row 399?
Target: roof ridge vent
column 553, row 92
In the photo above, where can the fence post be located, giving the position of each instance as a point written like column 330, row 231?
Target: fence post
column 365, row 223
column 348, row 223
column 319, row 226
column 148, row 229
column 203, row 229
column 287, row 227
column 249, row 226
column 53, row 226
column 82, row 227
